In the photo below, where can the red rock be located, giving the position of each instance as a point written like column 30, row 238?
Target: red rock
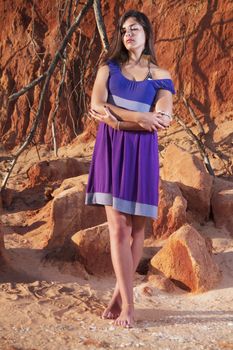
column 1, row 207
column 161, row 282
column 93, row 249
column 209, row 245
column 209, row 84
column 223, row 133
column 69, row 213
column 67, row 184
column 222, row 204
column 56, row 170
column 189, row 172
column 172, row 210
column 2, row 247
column 185, row 258
column 7, row 195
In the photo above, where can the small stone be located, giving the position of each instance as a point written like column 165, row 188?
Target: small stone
column 92, row 328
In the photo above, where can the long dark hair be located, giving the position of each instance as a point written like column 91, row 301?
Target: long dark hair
column 117, row 51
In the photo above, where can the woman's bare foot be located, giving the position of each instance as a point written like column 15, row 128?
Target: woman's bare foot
column 113, row 309
column 126, row 317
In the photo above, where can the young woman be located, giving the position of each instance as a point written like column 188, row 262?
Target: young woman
column 132, row 98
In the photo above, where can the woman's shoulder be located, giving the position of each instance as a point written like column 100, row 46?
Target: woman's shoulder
column 162, row 78
column 110, row 66
column 107, row 68
column 159, row 73
column 103, row 69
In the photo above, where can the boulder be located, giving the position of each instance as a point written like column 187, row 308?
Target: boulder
column 2, row 247
column 161, row 282
column 56, row 170
column 1, row 204
column 191, row 176
column 3, row 258
column 68, row 183
column 224, row 132
column 7, row 197
column 93, row 249
column 69, row 213
column 185, row 258
column 222, row 204
column 172, row 210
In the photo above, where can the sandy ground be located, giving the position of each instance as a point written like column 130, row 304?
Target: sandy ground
column 46, row 306
column 43, row 308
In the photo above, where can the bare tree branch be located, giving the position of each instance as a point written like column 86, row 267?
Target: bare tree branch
column 62, row 15
column 61, row 84
column 37, row 151
column 199, row 144
column 57, row 56
column 48, row 75
column 100, row 24
column 193, row 115
column 27, row 87
column 33, row 41
column 69, row 14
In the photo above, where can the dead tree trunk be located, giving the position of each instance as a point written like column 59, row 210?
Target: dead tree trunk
column 100, row 24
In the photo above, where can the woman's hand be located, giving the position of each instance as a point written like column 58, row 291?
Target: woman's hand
column 149, row 121
column 107, row 118
column 154, row 121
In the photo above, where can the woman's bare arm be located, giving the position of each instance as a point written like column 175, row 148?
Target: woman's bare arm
column 164, row 101
column 130, row 126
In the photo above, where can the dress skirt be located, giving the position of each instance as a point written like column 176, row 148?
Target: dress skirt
column 124, row 171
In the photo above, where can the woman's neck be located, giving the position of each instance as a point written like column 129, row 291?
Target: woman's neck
column 135, row 57
column 139, row 61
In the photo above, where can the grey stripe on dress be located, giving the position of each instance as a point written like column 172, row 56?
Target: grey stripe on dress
column 128, row 104
column 123, row 205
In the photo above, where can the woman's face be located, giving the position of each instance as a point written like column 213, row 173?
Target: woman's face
column 133, row 35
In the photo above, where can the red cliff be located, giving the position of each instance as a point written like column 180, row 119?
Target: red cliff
column 193, row 40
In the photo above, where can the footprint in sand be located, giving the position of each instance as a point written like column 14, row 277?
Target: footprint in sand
column 14, row 291
column 60, row 313
column 44, row 291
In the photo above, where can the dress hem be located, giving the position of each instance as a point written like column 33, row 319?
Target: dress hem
column 125, row 206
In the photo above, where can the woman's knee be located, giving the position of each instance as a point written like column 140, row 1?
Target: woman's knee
column 138, row 226
column 120, row 233
column 120, row 227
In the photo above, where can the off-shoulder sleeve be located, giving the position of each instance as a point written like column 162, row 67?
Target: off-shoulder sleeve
column 165, row 84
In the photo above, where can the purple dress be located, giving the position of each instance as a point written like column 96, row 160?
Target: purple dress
column 124, row 170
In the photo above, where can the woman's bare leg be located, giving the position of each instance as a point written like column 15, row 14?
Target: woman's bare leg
column 137, row 233
column 138, row 229
column 113, row 309
column 120, row 229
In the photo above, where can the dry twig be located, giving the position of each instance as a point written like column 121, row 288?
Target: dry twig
column 198, row 142
column 194, row 117
column 100, row 24
column 61, row 84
